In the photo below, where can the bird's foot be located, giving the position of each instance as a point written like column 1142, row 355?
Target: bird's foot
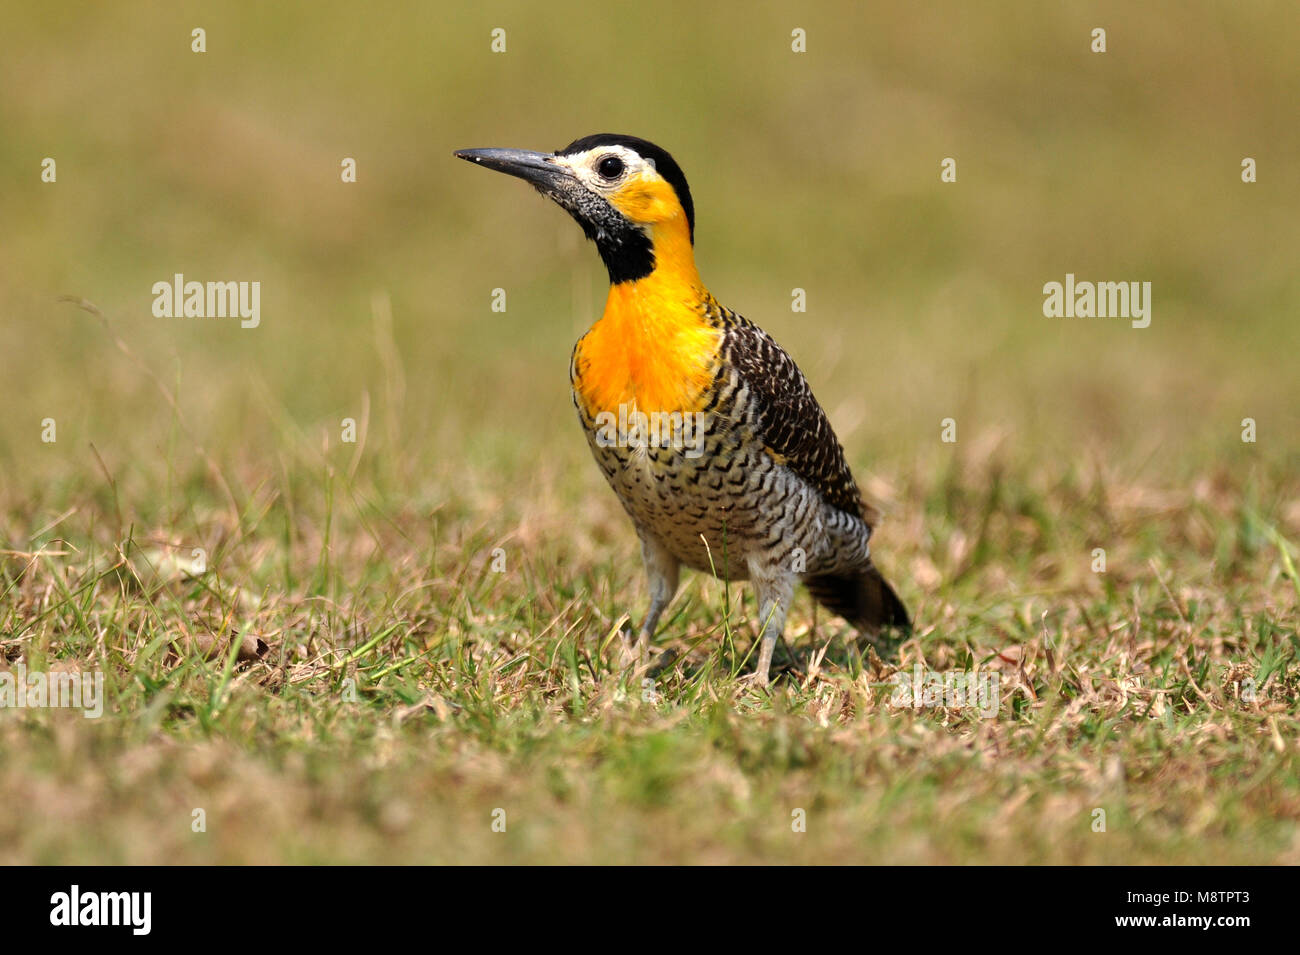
column 635, row 651
column 627, row 637
column 754, row 681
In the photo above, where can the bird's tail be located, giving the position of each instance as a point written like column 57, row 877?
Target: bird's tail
column 864, row 599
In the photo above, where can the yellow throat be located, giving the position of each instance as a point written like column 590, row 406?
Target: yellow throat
column 653, row 348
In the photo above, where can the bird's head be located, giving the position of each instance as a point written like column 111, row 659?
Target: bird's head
column 629, row 196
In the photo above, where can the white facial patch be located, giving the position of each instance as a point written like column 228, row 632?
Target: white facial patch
column 585, row 167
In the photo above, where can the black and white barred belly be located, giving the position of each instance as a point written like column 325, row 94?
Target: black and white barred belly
column 719, row 496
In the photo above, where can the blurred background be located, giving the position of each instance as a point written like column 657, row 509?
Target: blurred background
column 817, row 170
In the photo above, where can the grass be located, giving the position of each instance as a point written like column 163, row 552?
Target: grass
column 403, row 691
column 388, row 641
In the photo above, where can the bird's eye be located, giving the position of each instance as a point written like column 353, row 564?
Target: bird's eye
column 611, row 167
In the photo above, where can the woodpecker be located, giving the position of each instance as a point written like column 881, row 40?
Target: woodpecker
column 705, row 428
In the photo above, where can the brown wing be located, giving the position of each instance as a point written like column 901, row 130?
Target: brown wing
column 790, row 422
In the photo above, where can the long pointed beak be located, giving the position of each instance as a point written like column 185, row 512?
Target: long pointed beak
column 538, row 168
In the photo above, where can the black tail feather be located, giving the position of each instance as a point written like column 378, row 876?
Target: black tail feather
column 864, row 599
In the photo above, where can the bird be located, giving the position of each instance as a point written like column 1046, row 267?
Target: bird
column 705, row 428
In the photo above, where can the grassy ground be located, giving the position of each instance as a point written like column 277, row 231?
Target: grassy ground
column 391, row 640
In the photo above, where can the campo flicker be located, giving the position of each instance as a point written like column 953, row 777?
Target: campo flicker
column 731, row 466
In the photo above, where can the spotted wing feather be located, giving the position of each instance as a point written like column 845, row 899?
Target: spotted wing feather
column 790, row 422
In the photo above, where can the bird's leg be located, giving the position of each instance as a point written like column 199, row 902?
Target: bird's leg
column 663, row 572
column 774, row 587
